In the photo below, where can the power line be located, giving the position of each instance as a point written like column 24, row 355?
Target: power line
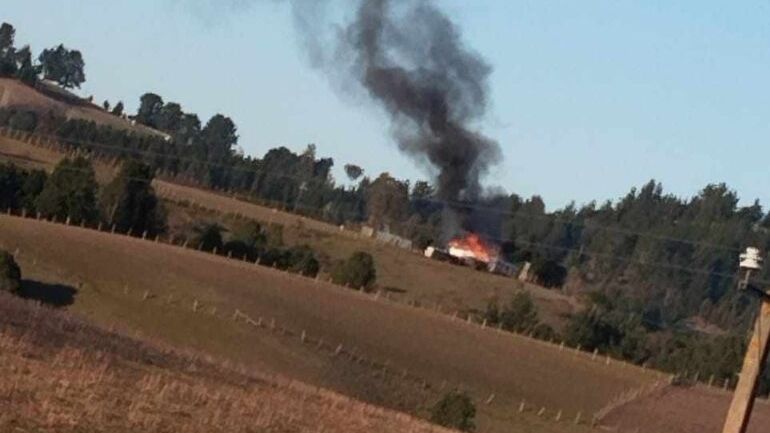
column 449, row 203
column 580, row 251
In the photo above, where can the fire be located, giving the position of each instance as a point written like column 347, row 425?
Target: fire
column 472, row 247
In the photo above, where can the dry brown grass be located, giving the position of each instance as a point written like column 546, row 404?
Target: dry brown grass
column 113, row 272
column 672, row 409
column 416, row 278
column 63, row 375
column 15, row 93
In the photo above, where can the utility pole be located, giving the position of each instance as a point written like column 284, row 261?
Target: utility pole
column 756, row 355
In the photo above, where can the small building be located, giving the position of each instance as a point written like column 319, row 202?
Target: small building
column 501, row 267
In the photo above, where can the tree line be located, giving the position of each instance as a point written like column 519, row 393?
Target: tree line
column 647, row 264
column 58, row 64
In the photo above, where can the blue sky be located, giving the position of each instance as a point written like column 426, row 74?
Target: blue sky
column 588, row 98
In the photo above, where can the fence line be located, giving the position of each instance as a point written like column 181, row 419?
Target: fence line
column 607, row 359
column 340, row 351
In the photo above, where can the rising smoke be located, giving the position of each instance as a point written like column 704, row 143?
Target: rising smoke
column 409, row 57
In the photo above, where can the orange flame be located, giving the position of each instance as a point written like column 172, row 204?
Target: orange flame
column 472, row 246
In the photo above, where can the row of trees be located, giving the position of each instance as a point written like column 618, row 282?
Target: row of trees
column 58, row 64
column 71, row 193
column 10, row 274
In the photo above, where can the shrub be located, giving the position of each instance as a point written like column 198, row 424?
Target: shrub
column 70, row 192
column 208, row 237
column 238, row 249
column 275, row 257
column 23, row 121
column 356, row 272
column 10, row 274
column 302, row 261
column 130, row 203
column 455, row 410
column 520, row 315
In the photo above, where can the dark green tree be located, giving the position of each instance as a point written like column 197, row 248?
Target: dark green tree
column 10, row 187
column 302, row 260
column 388, row 201
column 63, row 66
column 23, row 120
column 26, row 71
column 520, row 314
column 118, row 109
column 455, row 410
column 170, row 117
column 208, row 237
column 150, row 106
column 33, row 185
column 357, row 271
column 353, row 171
column 70, row 192
column 129, row 201
column 7, row 51
column 10, row 274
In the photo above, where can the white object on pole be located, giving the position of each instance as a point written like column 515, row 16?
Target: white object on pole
column 751, row 259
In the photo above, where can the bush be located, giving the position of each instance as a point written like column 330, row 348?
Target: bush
column 18, row 119
column 10, row 274
column 23, row 121
column 130, row 203
column 520, row 315
column 275, row 257
column 357, row 271
column 455, row 410
column 302, row 261
column 208, row 237
column 238, row 249
column 70, row 192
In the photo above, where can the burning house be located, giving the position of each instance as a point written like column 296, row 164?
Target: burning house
column 473, row 251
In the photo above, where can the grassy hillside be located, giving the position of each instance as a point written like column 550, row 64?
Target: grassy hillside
column 412, row 277
column 683, row 410
column 377, row 351
column 51, row 99
column 61, row 374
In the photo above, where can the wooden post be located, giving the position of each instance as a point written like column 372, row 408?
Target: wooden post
column 756, row 355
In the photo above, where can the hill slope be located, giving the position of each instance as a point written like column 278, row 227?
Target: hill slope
column 415, row 277
column 14, row 93
column 384, row 353
column 61, row 374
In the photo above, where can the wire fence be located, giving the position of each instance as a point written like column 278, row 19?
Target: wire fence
column 55, row 142
column 384, row 370
column 340, row 350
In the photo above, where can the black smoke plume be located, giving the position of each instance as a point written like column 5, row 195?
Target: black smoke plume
column 409, row 57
